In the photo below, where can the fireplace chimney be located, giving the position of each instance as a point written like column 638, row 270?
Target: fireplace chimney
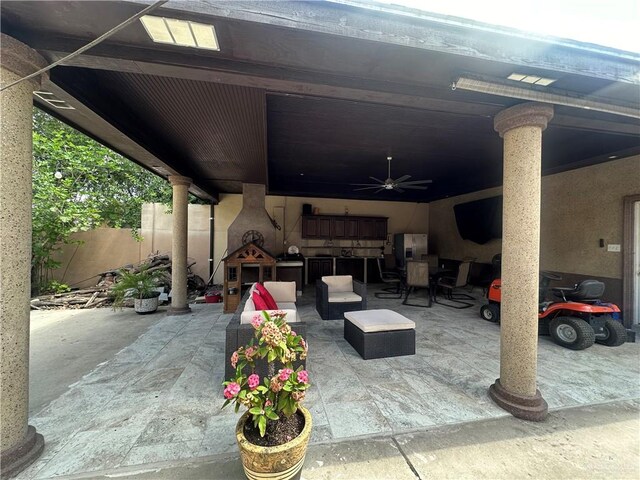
column 253, row 216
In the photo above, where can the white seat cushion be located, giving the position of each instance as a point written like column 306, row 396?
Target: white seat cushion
column 282, row 291
column 379, row 320
column 249, row 306
column 339, row 283
column 247, row 315
column 343, row 297
column 286, row 305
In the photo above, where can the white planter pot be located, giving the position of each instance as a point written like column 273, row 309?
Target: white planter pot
column 145, row 305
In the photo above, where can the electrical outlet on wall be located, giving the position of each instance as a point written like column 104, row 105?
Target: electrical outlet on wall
column 613, row 247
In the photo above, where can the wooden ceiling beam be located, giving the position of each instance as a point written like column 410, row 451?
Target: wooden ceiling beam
column 326, row 90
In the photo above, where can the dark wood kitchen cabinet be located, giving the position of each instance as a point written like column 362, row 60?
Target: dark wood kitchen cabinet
column 316, row 227
column 344, row 227
column 351, row 266
column 319, row 267
column 380, row 229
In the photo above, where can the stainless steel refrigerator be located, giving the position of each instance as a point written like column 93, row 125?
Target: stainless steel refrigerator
column 409, row 246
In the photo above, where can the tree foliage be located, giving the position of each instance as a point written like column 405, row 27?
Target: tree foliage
column 78, row 185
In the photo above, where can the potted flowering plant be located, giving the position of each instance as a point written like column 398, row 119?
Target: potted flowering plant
column 274, row 432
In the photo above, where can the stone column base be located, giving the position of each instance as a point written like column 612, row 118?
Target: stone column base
column 520, row 406
column 178, row 310
column 22, row 455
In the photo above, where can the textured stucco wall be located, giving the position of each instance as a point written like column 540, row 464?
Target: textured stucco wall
column 101, row 249
column 156, row 232
column 404, row 217
column 579, row 208
column 107, row 248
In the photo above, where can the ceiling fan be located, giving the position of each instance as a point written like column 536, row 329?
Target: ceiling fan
column 399, row 184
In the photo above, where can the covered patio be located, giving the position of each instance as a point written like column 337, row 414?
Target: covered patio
column 307, row 100
column 159, row 399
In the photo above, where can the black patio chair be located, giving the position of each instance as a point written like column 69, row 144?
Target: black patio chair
column 391, row 278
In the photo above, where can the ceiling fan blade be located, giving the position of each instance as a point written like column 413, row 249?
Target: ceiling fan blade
column 379, row 190
column 364, row 184
column 416, row 182
column 402, row 178
column 377, row 179
column 413, row 187
column 397, row 189
column 368, row 188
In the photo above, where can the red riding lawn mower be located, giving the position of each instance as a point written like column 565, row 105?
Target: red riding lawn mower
column 576, row 322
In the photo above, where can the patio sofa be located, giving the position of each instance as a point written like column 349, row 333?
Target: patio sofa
column 240, row 331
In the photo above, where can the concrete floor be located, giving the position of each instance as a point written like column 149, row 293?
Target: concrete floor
column 79, row 340
column 159, row 398
column 596, row 442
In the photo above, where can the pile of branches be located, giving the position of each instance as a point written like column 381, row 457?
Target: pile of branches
column 98, row 296
column 85, row 298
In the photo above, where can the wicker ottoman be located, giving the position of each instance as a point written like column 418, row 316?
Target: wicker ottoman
column 380, row 333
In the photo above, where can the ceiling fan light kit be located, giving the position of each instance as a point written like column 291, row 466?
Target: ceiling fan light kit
column 399, row 185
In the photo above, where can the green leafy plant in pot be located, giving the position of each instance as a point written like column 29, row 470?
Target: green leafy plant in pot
column 274, row 432
column 140, row 286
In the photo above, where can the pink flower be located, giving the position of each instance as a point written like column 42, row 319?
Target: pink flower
column 276, row 386
column 257, row 320
column 294, row 333
column 254, row 381
column 297, row 396
column 250, row 352
column 231, row 390
column 234, row 359
column 268, row 403
column 303, row 376
column 284, row 374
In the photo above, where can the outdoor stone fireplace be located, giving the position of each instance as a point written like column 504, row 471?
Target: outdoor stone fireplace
column 252, row 217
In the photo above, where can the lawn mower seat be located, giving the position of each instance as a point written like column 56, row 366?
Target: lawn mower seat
column 587, row 291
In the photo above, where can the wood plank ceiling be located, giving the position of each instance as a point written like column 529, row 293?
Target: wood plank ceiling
column 307, row 98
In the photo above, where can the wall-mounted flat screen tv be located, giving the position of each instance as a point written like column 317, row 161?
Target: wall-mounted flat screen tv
column 480, row 220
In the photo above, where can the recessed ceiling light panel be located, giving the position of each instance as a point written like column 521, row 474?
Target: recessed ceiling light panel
column 532, row 79
column 180, row 32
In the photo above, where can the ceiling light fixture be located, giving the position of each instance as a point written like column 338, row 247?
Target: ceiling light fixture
column 180, row 32
column 52, row 100
column 564, row 98
column 532, row 79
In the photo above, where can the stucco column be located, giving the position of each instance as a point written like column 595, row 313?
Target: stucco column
column 19, row 443
column 521, row 128
column 179, row 304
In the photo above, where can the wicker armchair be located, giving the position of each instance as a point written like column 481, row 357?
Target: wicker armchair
column 338, row 294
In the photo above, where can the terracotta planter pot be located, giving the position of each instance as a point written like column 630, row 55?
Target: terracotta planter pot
column 281, row 462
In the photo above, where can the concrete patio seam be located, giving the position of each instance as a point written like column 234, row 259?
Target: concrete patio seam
column 406, row 459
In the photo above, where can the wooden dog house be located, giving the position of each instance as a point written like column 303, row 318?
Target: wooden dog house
column 243, row 267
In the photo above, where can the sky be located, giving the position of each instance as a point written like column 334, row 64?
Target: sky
column 611, row 23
